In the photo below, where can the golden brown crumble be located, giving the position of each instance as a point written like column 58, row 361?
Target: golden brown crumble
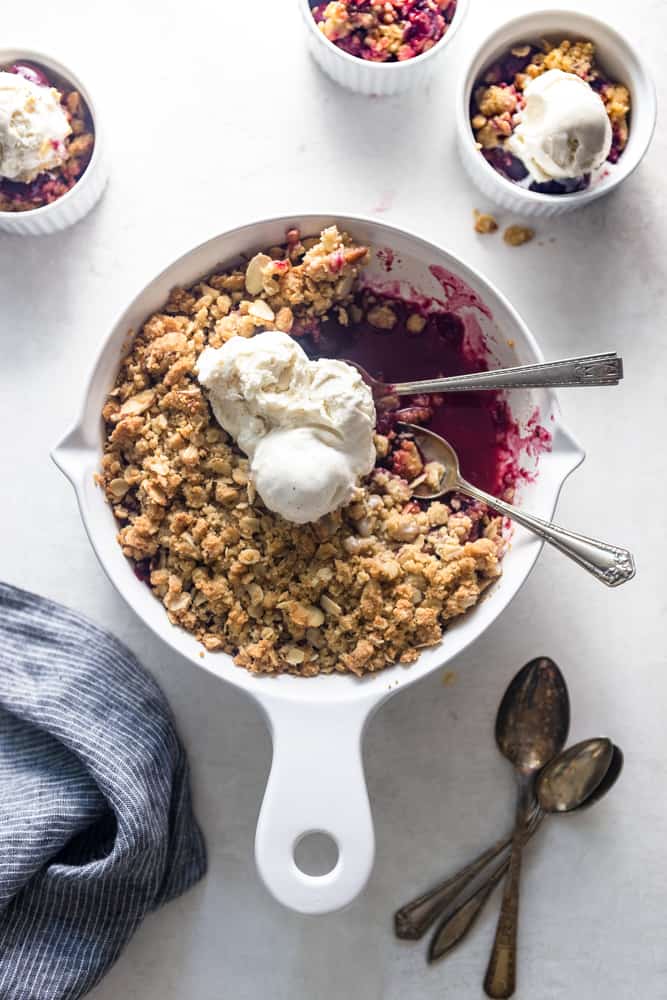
column 363, row 587
column 485, row 223
column 515, row 236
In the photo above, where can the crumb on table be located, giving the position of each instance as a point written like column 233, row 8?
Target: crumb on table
column 485, row 223
column 515, row 236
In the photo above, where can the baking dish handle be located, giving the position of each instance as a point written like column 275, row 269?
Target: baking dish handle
column 316, row 785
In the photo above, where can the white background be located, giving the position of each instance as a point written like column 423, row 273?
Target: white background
column 216, row 116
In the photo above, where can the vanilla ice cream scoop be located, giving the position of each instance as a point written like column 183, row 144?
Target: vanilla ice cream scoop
column 33, row 128
column 306, row 426
column 563, row 131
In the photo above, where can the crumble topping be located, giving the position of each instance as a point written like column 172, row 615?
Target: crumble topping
column 384, row 30
column 361, row 588
column 485, row 223
column 515, row 236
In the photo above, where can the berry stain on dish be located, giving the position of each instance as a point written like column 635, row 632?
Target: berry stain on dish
column 46, row 137
column 428, row 338
column 205, row 495
column 392, row 31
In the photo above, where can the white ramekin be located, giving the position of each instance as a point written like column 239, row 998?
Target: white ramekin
column 87, row 191
column 378, row 79
column 619, row 58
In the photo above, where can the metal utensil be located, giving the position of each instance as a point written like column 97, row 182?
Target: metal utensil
column 531, row 728
column 611, row 564
column 456, row 923
column 591, row 369
column 561, row 787
column 532, row 723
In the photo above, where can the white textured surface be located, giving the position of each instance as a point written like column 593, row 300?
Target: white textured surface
column 281, row 135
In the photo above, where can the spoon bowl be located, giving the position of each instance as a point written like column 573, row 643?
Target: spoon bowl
column 574, row 776
column 610, row 564
column 534, row 716
column 609, row 780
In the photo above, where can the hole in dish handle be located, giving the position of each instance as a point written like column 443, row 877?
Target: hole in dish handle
column 316, row 784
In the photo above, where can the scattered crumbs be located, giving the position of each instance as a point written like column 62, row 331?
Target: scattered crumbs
column 485, row 223
column 201, row 655
column 515, row 236
column 511, row 343
column 449, row 677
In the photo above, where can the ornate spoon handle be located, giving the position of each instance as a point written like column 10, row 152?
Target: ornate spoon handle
column 611, row 564
column 456, row 923
column 455, row 926
column 592, row 369
column 500, row 979
column 415, row 918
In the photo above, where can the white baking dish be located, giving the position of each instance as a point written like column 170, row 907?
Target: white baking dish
column 317, row 779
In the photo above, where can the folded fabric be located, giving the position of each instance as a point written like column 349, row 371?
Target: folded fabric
column 96, row 822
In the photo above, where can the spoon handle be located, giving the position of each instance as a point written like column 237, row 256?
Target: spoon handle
column 413, row 919
column 500, row 979
column 456, row 925
column 592, row 369
column 611, row 564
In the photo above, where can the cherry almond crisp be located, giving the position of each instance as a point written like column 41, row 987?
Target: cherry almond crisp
column 267, row 500
column 548, row 118
column 46, row 138
column 384, row 30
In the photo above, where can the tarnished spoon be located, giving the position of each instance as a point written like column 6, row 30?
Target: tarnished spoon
column 561, row 787
column 456, row 924
column 531, row 728
column 592, row 369
column 609, row 563
column 532, row 723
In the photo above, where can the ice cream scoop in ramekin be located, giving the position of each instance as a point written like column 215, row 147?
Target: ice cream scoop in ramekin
column 87, row 189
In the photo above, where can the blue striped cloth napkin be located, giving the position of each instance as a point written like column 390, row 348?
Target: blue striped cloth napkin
column 96, row 822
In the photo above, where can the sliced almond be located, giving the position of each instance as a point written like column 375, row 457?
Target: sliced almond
column 330, row 606
column 137, row 404
column 177, row 602
column 119, row 488
column 294, row 655
column 254, row 280
column 262, row 310
column 315, row 616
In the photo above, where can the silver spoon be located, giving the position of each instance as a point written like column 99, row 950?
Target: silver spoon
column 592, row 369
column 414, row 919
column 531, row 728
column 562, row 786
column 609, row 563
column 532, row 723
column 456, row 923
